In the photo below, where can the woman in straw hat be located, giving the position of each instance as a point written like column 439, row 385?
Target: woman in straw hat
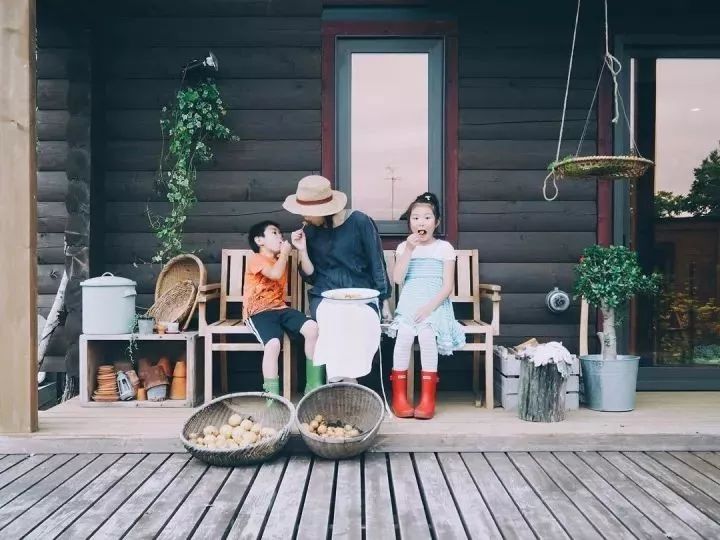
column 338, row 248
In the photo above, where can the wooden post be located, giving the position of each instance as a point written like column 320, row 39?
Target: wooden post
column 18, row 223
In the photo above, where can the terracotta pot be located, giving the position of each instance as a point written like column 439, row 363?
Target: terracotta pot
column 164, row 363
column 177, row 388
column 141, row 394
column 155, row 377
column 180, row 369
column 143, row 366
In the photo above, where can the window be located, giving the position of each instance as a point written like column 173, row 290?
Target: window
column 389, row 118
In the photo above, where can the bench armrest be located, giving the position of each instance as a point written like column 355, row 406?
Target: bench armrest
column 206, row 293
column 492, row 293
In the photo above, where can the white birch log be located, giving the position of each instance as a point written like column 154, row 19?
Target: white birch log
column 609, row 351
column 53, row 319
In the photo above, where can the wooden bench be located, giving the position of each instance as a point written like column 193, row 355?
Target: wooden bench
column 230, row 292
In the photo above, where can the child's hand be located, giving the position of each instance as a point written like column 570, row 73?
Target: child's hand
column 285, row 248
column 423, row 313
column 413, row 241
column 298, row 240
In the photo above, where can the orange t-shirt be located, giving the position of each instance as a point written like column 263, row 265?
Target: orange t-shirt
column 262, row 293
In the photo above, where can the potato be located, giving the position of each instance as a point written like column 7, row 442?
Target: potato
column 250, row 437
column 322, row 429
column 318, row 418
column 193, row 436
column 210, row 430
column 236, row 433
column 268, row 432
column 200, row 440
column 353, row 433
column 235, row 420
column 246, row 424
column 209, row 439
column 231, row 445
column 221, row 442
column 314, row 425
column 212, row 446
column 348, row 427
column 256, row 428
column 226, row 431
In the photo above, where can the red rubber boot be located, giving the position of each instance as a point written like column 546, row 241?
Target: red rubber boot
column 400, row 405
column 426, row 409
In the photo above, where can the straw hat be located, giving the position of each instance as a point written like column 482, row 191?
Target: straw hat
column 315, row 197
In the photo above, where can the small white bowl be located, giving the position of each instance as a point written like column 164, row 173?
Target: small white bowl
column 172, row 327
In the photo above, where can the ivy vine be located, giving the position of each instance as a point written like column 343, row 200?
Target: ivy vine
column 189, row 125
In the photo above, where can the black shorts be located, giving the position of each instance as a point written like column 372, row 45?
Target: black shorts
column 273, row 323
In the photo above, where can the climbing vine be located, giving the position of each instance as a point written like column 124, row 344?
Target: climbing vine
column 189, row 125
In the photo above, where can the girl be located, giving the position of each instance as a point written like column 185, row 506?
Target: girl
column 425, row 266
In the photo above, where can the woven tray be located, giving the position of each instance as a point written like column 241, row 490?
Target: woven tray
column 181, row 268
column 175, row 304
column 278, row 415
column 601, row 166
column 351, row 403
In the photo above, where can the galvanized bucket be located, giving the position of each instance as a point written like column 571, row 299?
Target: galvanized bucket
column 610, row 384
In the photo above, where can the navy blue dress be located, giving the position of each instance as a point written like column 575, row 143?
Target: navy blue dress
column 350, row 255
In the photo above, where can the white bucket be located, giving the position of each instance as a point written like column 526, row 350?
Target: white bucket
column 108, row 304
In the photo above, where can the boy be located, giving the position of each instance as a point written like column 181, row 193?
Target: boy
column 264, row 308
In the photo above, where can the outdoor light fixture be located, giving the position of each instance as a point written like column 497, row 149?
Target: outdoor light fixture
column 210, row 62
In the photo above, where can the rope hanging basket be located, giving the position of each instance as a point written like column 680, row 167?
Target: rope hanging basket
column 628, row 167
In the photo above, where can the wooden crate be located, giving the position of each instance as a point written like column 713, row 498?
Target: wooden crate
column 97, row 350
column 507, row 381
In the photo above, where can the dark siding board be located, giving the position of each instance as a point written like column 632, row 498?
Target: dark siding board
column 236, row 63
column 211, row 185
column 525, row 63
column 58, row 63
column 220, row 217
column 145, row 275
column 52, row 94
column 264, row 125
column 199, row 8
column 537, row 124
column 52, row 216
column 527, row 216
column 216, row 31
column 52, row 186
column 52, row 155
column 517, row 93
column 509, row 185
column 48, row 277
column 527, row 246
column 489, row 32
column 240, row 155
column 50, row 248
column 527, row 277
column 281, row 94
column 52, row 125
column 140, row 247
column 529, row 308
column 530, row 154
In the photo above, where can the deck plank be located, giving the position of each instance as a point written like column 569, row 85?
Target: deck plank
column 191, row 511
column 509, row 520
column 379, row 521
column 315, row 516
column 655, row 511
column 61, row 518
column 33, row 476
column 134, row 507
column 110, row 501
column 163, row 508
column 347, row 517
column 41, row 488
column 663, row 494
column 557, row 502
column 13, row 473
column 696, row 479
column 254, row 511
column 439, row 500
column 711, row 457
column 699, row 464
column 671, row 490
column 538, row 516
column 474, row 513
column 285, row 513
column 57, row 497
column 219, row 516
column 11, row 461
column 412, row 520
column 630, row 516
column 591, row 507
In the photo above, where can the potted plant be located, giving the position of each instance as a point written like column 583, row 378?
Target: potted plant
column 145, row 323
column 607, row 277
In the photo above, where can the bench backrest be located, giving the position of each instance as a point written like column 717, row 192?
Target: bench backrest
column 232, row 278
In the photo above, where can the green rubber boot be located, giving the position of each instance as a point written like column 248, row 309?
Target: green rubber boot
column 314, row 376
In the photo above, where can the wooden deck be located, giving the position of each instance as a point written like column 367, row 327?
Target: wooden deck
column 680, row 421
column 555, row 495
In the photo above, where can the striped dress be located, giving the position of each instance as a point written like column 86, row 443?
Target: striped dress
column 423, row 280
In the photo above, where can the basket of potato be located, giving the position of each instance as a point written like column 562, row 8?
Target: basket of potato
column 239, row 429
column 339, row 420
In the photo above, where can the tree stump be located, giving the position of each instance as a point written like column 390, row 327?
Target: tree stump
column 541, row 394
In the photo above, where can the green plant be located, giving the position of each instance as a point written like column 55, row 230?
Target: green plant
column 132, row 346
column 191, row 123
column 607, row 277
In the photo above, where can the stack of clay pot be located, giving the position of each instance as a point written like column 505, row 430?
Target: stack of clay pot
column 106, row 388
column 156, row 383
column 179, row 379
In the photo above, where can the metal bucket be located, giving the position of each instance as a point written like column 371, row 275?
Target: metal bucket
column 610, row 384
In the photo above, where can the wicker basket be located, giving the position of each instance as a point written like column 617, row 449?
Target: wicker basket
column 175, row 304
column 278, row 415
column 601, row 166
column 178, row 269
column 351, row 403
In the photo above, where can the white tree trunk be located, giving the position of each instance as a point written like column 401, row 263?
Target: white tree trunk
column 53, row 319
column 609, row 350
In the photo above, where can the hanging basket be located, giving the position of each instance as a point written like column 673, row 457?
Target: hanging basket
column 601, row 166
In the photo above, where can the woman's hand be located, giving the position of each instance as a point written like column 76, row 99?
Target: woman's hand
column 423, row 313
column 298, row 240
column 386, row 315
